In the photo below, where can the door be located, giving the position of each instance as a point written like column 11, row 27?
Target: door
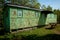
column 42, row 19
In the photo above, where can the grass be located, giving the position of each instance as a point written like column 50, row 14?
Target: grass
column 36, row 34
column 39, row 31
column 58, row 27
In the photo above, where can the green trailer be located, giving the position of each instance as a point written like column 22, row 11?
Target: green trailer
column 18, row 17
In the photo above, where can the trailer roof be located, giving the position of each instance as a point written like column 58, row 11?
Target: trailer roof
column 19, row 6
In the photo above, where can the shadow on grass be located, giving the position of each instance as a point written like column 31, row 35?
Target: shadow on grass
column 46, row 37
column 40, row 26
column 2, row 32
column 35, row 37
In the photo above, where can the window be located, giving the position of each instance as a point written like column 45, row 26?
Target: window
column 37, row 14
column 20, row 14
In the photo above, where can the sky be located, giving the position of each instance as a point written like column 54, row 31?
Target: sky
column 55, row 4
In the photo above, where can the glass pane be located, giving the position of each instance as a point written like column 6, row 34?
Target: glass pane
column 19, row 13
column 37, row 14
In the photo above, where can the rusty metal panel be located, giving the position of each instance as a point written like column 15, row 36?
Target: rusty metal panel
column 13, row 13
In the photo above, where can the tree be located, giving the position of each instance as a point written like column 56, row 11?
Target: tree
column 1, row 6
column 29, row 3
column 49, row 8
column 46, row 8
column 43, row 7
column 37, row 6
column 1, row 1
column 57, row 11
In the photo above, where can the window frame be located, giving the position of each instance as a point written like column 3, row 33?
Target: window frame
column 20, row 14
column 36, row 14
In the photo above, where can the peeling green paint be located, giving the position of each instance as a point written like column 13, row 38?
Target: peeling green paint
column 29, row 18
column 21, row 18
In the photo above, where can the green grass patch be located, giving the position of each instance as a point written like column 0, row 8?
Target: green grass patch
column 39, row 31
column 57, row 27
column 36, row 34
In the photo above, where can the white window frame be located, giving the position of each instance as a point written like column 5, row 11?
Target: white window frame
column 20, row 13
column 36, row 14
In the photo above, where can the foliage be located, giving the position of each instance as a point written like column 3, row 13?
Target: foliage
column 29, row 3
column 57, row 11
column 29, row 33
column 58, row 27
column 49, row 8
column 1, row 1
column 43, row 7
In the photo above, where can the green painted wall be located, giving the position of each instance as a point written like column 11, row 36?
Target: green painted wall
column 6, row 19
column 28, row 18
column 15, row 18
column 51, row 18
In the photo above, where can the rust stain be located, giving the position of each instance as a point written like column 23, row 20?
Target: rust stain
column 14, row 13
